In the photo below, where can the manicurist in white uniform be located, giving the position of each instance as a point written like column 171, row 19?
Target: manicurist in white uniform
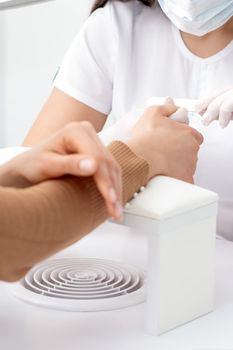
column 129, row 51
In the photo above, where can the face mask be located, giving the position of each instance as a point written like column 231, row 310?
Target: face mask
column 197, row 17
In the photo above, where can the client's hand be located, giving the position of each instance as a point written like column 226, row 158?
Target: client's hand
column 74, row 150
column 171, row 148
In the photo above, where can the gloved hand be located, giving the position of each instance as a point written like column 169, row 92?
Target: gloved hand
column 217, row 106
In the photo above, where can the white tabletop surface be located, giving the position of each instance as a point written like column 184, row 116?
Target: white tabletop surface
column 26, row 327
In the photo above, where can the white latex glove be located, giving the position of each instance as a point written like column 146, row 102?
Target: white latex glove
column 217, row 106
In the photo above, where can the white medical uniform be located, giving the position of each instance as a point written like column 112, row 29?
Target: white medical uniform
column 126, row 53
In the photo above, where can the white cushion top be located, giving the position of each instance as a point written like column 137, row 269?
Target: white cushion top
column 166, row 197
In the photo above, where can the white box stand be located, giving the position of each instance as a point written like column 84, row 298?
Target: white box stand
column 180, row 220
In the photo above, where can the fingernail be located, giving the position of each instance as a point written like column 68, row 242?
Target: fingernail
column 118, row 211
column 86, row 164
column 112, row 195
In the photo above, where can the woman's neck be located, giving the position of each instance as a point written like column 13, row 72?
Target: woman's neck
column 211, row 43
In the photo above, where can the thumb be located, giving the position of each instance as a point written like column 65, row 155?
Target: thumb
column 168, row 101
column 163, row 106
column 181, row 116
column 166, row 110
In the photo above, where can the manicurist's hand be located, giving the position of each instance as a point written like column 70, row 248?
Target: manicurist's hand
column 217, row 106
column 170, row 148
column 74, row 150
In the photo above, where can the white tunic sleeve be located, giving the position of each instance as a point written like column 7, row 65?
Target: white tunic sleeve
column 87, row 70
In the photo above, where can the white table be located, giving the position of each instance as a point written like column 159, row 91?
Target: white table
column 26, row 327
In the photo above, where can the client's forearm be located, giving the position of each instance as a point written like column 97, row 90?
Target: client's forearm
column 38, row 221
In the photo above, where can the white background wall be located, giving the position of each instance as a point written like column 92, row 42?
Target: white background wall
column 32, row 45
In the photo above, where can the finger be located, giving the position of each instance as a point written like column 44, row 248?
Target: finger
column 116, row 177
column 180, row 116
column 197, row 135
column 224, row 118
column 203, row 104
column 79, row 165
column 226, row 112
column 168, row 109
column 114, row 191
column 163, row 110
column 111, row 189
column 83, row 138
column 211, row 114
column 208, row 117
column 106, row 187
column 116, row 200
column 118, row 180
column 168, row 101
column 56, row 165
column 79, row 138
